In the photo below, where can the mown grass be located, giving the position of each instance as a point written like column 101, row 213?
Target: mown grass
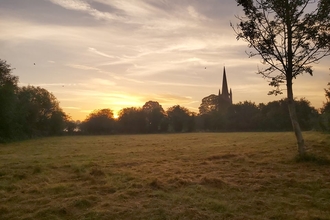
column 171, row 176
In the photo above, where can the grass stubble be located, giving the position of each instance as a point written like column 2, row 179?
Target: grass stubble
column 169, row 176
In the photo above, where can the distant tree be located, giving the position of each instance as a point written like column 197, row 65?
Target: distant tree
column 58, row 122
column 40, row 113
column 8, row 102
column 164, row 124
column 132, row 120
column 307, row 114
column 209, row 104
column 154, row 114
column 99, row 122
column 325, row 111
column 71, row 126
column 180, row 118
column 276, row 117
column 212, row 121
column 211, row 115
column 151, row 105
column 288, row 40
column 28, row 111
column 243, row 116
column 191, row 123
column 326, row 105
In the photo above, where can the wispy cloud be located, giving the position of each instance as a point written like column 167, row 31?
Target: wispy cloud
column 80, row 5
column 53, row 84
column 195, row 14
column 72, row 4
column 128, row 79
column 82, row 67
column 93, row 50
column 99, row 70
column 180, row 84
column 172, row 98
column 94, row 54
column 103, row 82
column 133, row 8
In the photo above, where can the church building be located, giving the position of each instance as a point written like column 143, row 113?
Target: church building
column 225, row 97
column 219, row 102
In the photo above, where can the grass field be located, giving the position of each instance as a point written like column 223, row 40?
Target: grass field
column 170, row 176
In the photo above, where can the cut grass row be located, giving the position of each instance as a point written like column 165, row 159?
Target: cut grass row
column 171, row 176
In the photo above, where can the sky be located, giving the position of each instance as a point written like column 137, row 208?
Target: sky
column 95, row 54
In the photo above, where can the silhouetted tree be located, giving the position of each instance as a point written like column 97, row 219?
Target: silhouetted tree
column 191, row 123
column 40, row 112
column 326, row 105
column 247, row 116
column 212, row 121
column 99, row 122
column 154, row 114
column 275, row 115
column 28, row 111
column 211, row 114
column 71, row 126
column 325, row 110
column 164, row 124
column 209, row 104
column 132, row 120
column 179, row 118
column 307, row 114
column 288, row 41
column 8, row 103
column 243, row 116
column 57, row 123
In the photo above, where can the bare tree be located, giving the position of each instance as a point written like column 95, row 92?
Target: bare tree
column 289, row 35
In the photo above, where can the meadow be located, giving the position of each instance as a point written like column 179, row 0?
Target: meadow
column 166, row 176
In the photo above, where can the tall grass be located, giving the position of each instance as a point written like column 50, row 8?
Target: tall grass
column 171, row 176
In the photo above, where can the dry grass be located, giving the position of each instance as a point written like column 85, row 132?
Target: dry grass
column 176, row 176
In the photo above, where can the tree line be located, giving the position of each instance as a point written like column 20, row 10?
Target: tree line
column 150, row 118
column 243, row 116
column 248, row 116
column 29, row 112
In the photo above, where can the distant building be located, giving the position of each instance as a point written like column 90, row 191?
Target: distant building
column 219, row 102
column 225, row 98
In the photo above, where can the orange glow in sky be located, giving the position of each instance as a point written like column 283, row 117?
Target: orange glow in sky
column 114, row 54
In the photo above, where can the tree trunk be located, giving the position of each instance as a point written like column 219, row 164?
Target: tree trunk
column 294, row 120
column 289, row 77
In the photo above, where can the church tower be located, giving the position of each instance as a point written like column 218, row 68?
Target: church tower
column 225, row 97
column 224, row 83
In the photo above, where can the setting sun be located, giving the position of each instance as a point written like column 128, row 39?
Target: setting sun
column 90, row 56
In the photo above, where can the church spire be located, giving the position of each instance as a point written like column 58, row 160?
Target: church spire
column 231, row 96
column 224, row 83
column 225, row 98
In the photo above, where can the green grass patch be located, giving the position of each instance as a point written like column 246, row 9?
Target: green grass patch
column 168, row 176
